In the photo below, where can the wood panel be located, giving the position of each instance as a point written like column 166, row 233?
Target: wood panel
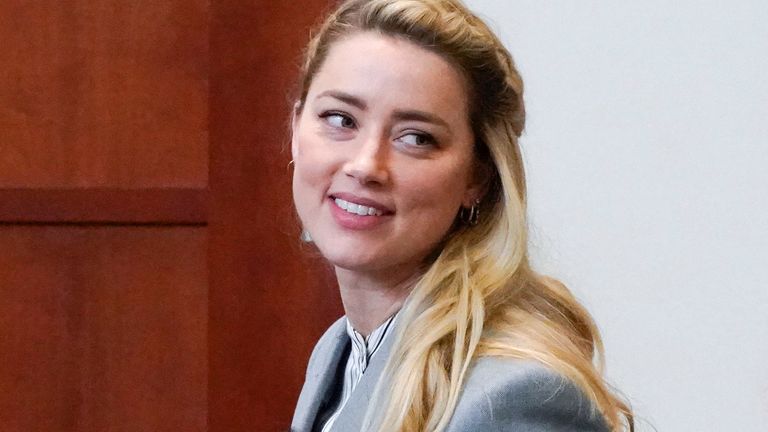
column 104, row 206
column 103, row 329
column 269, row 299
column 105, row 93
column 105, row 113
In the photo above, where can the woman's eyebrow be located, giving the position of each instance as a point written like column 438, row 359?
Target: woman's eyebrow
column 400, row 115
column 344, row 97
column 422, row 116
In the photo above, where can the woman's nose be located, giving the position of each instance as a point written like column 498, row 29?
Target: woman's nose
column 369, row 164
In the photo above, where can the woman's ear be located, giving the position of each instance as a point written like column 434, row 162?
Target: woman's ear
column 479, row 183
column 295, row 118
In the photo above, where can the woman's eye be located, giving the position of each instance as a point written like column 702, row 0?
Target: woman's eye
column 338, row 120
column 417, row 139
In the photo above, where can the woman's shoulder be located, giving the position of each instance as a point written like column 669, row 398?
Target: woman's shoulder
column 505, row 394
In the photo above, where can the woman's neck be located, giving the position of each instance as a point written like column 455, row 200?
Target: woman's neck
column 369, row 299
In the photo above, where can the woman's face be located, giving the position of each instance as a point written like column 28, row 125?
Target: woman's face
column 383, row 154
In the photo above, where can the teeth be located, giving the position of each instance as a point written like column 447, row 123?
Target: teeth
column 357, row 209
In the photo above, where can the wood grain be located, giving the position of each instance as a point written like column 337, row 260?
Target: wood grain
column 103, row 329
column 270, row 297
column 104, row 206
column 106, row 93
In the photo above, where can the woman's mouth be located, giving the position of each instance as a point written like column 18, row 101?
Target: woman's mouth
column 358, row 209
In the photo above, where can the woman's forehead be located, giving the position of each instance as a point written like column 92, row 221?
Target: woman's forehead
column 385, row 69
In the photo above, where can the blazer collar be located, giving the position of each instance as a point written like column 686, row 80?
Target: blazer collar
column 351, row 416
column 320, row 374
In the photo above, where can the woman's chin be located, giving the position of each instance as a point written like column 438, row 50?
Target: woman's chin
column 354, row 263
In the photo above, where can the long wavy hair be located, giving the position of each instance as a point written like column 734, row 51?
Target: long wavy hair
column 478, row 295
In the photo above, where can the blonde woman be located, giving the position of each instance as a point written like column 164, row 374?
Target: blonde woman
column 409, row 180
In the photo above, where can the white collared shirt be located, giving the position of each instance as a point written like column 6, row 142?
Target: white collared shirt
column 362, row 350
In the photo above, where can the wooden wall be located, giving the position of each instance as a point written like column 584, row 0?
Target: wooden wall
column 103, row 328
column 268, row 305
column 150, row 276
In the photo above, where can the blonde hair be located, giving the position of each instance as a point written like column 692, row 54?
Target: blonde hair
column 479, row 296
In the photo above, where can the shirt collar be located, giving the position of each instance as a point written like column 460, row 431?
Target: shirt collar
column 365, row 347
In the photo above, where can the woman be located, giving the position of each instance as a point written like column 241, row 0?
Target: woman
column 409, row 180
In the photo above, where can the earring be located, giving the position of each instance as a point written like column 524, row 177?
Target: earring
column 289, row 165
column 305, row 237
column 470, row 216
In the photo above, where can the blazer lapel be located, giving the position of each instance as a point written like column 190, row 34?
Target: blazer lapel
column 320, row 373
column 351, row 416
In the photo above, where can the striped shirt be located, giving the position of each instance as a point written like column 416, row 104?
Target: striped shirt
column 362, row 350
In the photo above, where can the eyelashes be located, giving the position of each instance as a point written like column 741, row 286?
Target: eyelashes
column 418, row 139
column 342, row 121
column 338, row 120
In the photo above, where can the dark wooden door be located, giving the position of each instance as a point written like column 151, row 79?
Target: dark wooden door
column 150, row 278
column 270, row 300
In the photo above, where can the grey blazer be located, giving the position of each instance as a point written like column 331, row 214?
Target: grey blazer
column 499, row 394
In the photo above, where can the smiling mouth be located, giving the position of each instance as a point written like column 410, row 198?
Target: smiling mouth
column 357, row 209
